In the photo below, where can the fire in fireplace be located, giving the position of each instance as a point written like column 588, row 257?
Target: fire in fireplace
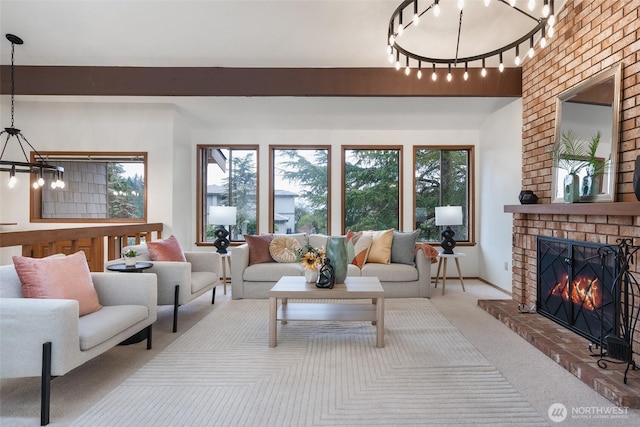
column 576, row 287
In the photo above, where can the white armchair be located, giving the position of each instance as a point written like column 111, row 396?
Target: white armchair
column 181, row 282
column 46, row 337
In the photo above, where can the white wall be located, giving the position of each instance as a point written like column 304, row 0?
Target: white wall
column 499, row 183
column 85, row 126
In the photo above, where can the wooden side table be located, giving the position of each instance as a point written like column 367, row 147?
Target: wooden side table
column 226, row 262
column 445, row 257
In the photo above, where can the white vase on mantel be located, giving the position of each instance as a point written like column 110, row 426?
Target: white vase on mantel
column 311, row 276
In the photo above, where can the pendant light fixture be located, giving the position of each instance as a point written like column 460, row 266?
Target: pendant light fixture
column 470, row 24
column 39, row 168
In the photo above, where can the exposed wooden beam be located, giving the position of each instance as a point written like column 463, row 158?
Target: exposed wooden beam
column 216, row 81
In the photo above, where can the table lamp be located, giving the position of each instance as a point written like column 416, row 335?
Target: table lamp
column 448, row 216
column 222, row 216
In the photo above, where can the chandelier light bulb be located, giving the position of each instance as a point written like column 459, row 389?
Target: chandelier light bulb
column 545, row 10
column 389, row 49
column 517, row 61
column 35, row 185
column 40, row 182
column 407, row 70
column 436, row 10
column 13, row 181
column 53, row 185
column 550, row 32
column 60, row 184
column 531, row 52
column 434, row 76
column 392, row 40
column 543, row 42
column 512, row 3
column 551, row 20
column 397, row 65
column 449, row 77
column 419, row 74
column 465, row 76
column 416, row 19
column 483, row 73
column 460, row 4
column 400, row 30
column 486, row 3
column 532, row 4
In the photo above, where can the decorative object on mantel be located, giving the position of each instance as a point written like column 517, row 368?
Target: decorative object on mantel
column 620, row 345
column 40, row 166
column 528, row 197
column 479, row 20
column 636, row 178
column 448, row 216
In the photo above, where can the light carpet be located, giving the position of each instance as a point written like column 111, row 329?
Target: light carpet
column 221, row 372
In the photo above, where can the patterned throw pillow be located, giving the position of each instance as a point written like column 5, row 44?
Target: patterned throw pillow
column 283, row 248
column 358, row 247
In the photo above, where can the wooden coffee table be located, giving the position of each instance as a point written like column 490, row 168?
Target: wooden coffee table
column 353, row 288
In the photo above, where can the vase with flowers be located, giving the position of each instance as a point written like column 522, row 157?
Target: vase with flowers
column 130, row 257
column 311, row 259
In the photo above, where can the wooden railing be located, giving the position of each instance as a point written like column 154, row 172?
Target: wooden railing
column 91, row 240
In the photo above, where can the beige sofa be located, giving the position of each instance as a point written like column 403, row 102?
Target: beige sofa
column 45, row 337
column 397, row 280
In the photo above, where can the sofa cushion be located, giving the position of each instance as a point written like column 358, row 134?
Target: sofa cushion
column 380, row 250
column 58, row 278
column 259, row 248
column 390, row 272
column 403, row 247
column 271, row 272
column 168, row 249
column 318, row 240
column 358, row 245
column 283, row 248
column 98, row 327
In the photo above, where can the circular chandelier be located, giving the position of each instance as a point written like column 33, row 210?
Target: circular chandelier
column 38, row 168
column 456, row 33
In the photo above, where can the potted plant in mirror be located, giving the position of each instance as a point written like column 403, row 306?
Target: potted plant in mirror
column 570, row 154
column 595, row 168
column 130, row 257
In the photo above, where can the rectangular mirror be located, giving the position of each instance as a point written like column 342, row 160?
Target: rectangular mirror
column 590, row 108
column 99, row 187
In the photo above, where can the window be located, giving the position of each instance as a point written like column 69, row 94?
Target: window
column 99, row 187
column 228, row 177
column 372, row 188
column 442, row 177
column 299, row 190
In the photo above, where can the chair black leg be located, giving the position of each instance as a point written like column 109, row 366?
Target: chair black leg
column 149, row 329
column 213, row 296
column 175, row 308
column 45, row 391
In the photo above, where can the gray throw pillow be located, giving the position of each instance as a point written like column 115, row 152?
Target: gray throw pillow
column 403, row 247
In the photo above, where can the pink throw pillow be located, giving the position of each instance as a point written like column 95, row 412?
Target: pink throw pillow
column 259, row 248
column 168, row 249
column 58, row 278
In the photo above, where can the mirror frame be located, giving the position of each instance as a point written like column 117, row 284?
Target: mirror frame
column 615, row 73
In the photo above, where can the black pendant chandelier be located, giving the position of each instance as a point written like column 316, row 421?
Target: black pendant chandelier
column 478, row 24
column 39, row 168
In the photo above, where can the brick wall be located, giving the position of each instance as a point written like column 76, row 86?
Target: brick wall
column 590, row 36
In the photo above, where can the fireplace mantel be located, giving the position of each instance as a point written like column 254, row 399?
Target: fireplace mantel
column 606, row 208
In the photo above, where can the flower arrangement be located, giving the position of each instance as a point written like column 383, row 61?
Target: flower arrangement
column 130, row 253
column 311, row 258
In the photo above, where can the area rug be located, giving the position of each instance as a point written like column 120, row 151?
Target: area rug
column 221, row 372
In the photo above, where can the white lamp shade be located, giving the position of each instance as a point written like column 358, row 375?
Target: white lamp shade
column 222, row 215
column 449, row 215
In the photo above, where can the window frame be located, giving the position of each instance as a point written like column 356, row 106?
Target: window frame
column 35, row 195
column 471, row 202
column 272, row 149
column 343, row 150
column 201, row 190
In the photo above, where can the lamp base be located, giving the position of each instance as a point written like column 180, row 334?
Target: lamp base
column 222, row 243
column 447, row 242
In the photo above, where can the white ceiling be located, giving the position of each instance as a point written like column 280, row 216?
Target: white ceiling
column 236, row 33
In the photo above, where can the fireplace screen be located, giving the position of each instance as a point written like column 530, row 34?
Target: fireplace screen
column 576, row 286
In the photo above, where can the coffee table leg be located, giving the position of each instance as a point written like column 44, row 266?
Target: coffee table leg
column 374, row 301
column 284, row 306
column 380, row 323
column 273, row 310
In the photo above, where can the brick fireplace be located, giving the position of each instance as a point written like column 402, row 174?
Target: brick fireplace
column 590, row 37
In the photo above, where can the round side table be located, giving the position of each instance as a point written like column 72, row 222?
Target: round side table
column 139, row 267
column 445, row 257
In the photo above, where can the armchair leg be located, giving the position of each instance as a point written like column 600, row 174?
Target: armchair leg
column 175, row 308
column 45, row 391
column 149, row 329
column 213, row 296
